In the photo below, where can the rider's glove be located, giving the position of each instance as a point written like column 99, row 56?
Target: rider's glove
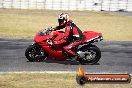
column 51, row 29
column 50, row 42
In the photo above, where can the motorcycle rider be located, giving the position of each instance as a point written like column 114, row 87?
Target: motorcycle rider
column 72, row 33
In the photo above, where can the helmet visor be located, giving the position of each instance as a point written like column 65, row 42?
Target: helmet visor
column 60, row 21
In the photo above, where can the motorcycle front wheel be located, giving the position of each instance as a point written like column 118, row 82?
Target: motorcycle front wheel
column 33, row 53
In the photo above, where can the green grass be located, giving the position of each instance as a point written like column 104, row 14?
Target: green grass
column 45, row 80
column 25, row 23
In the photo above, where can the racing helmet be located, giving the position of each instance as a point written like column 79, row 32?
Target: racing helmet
column 63, row 18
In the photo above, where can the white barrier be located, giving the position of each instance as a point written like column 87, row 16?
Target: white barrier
column 97, row 5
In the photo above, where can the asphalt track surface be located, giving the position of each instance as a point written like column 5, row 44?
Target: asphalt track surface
column 116, row 58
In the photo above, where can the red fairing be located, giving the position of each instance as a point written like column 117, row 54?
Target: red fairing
column 39, row 38
column 41, row 41
column 53, row 53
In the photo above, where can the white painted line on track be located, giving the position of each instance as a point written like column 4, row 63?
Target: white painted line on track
column 54, row 72
column 51, row 72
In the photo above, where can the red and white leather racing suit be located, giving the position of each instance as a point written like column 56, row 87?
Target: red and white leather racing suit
column 72, row 33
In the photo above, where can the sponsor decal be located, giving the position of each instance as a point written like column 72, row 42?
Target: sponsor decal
column 83, row 78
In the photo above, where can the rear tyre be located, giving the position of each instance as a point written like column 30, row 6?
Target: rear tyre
column 33, row 53
column 92, row 56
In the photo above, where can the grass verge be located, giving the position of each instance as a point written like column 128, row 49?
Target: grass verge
column 15, row 23
column 48, row 80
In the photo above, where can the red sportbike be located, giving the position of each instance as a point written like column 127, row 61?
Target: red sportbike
column 43, row 48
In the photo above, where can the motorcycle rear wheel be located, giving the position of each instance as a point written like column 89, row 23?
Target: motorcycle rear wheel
column 33, row 53
column 93, row 57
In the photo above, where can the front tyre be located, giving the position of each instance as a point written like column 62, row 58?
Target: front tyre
column 92, row 55
column 33, row 53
